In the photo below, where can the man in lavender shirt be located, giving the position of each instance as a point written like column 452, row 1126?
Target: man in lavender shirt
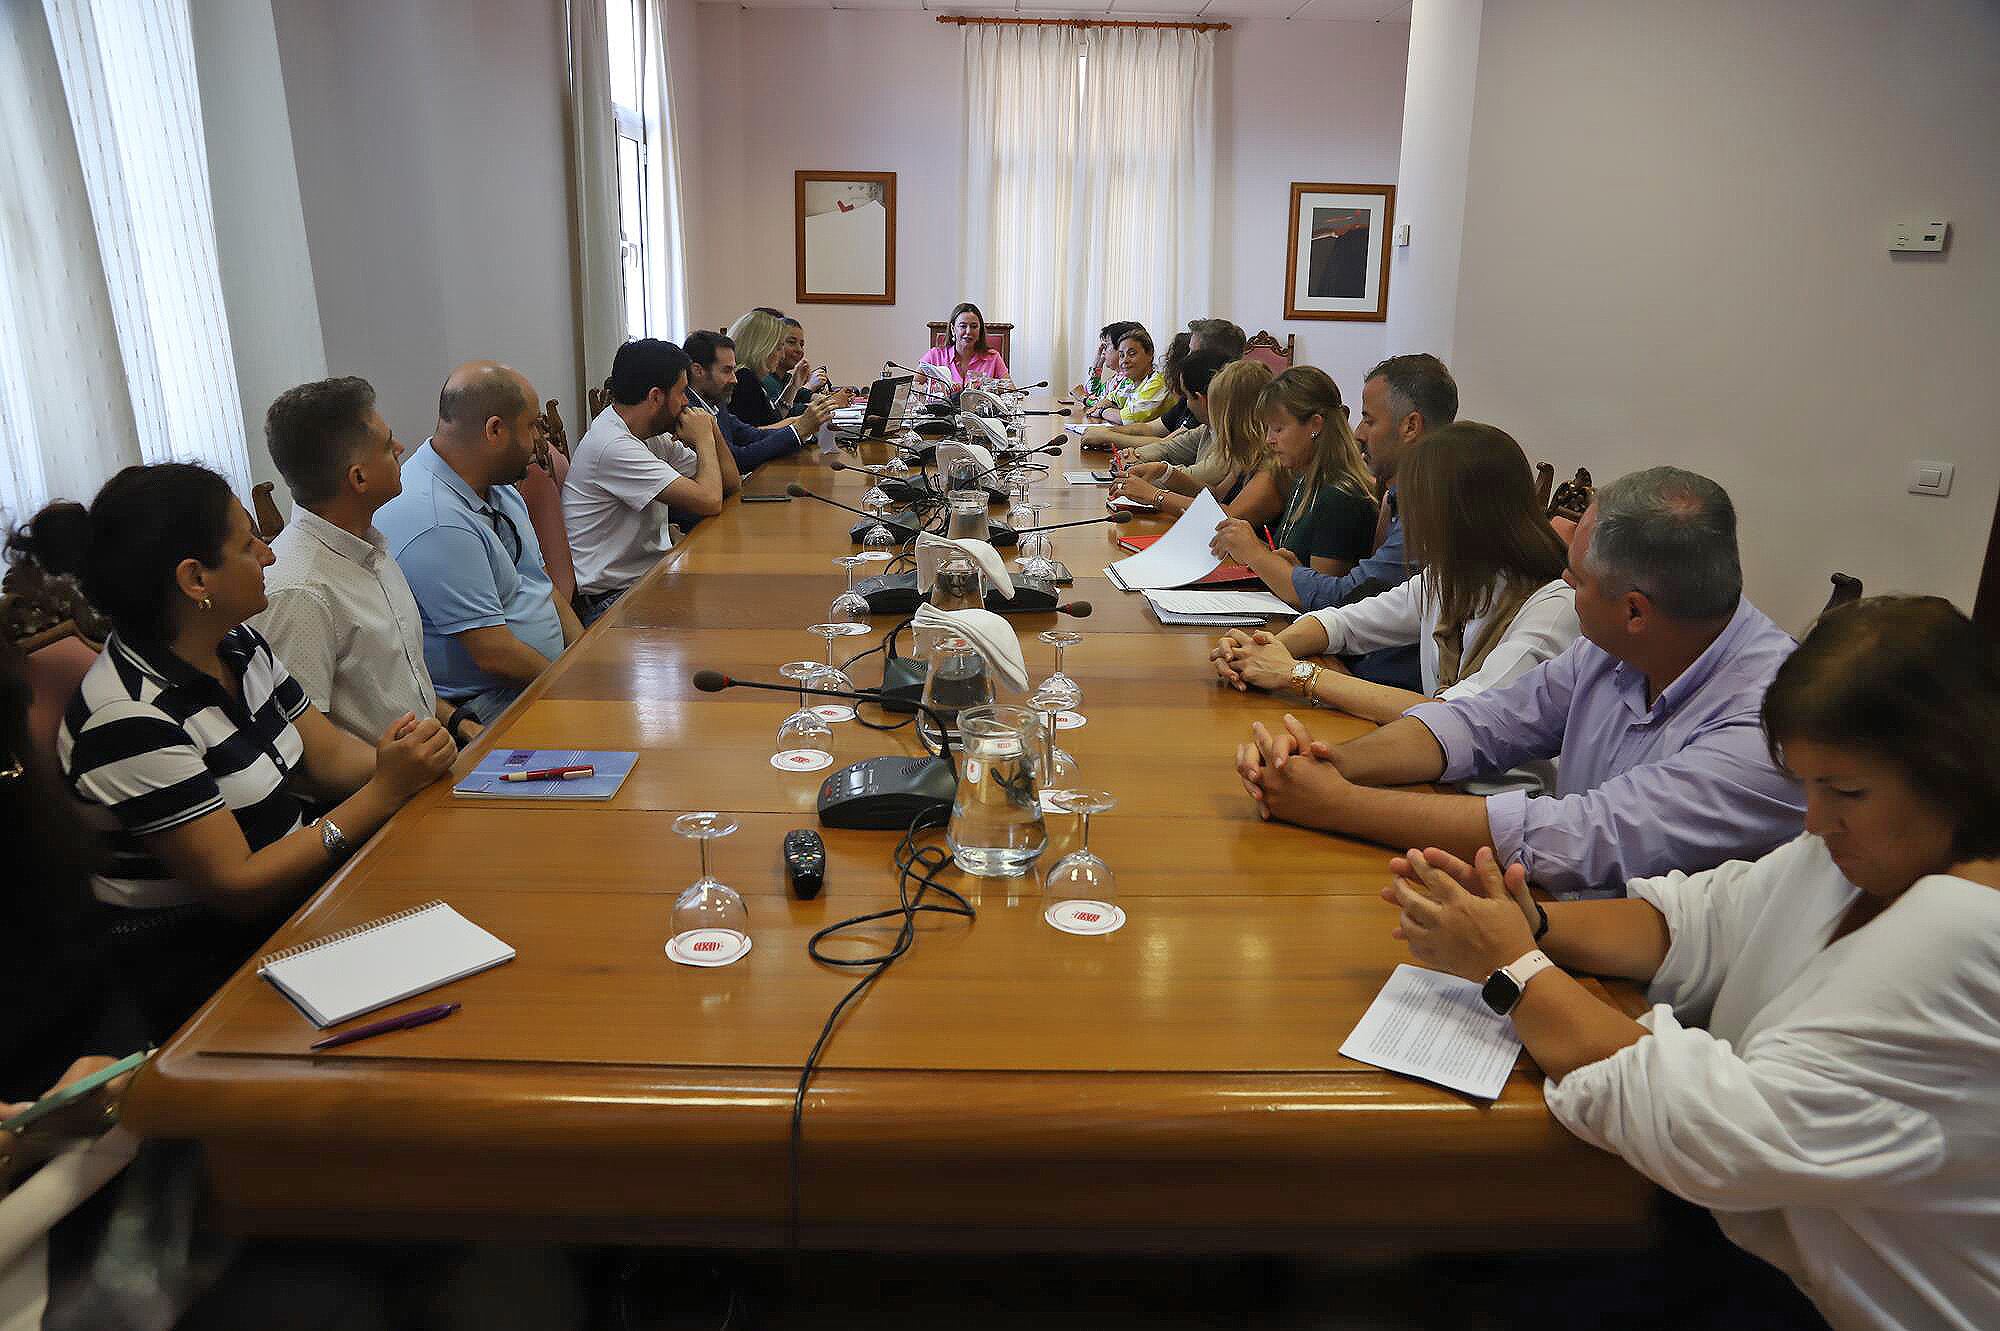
column 1653, row 713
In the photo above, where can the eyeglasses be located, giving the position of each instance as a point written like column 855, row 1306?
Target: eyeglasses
column 508, row 534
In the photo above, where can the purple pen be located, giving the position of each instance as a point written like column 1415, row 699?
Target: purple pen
column 421, row 1017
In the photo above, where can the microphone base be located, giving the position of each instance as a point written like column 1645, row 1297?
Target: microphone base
column 903, row 681
column 904, row 523
column 896, row 594
column 885, row 794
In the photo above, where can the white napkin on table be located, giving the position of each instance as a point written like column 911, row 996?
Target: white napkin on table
column 983, row 554
column 993, row 637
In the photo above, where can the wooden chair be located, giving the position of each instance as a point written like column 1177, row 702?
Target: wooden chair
column 1266, row 348
column 1846, row 589
column 998, row 336
column 1573, row 496
column 541, row 490
column 1545, row 481
column 58, row 659
column 597, row 399
column 264, row 506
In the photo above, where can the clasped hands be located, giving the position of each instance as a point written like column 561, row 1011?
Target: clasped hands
column 1292, row 776
column 1467, row 920
column 1248, row 659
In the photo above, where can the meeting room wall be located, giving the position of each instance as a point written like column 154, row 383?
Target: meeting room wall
column 1675, row 250
column 779, row 90
column 430, row 142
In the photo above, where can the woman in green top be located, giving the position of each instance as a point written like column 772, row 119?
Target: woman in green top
column 1330, row 508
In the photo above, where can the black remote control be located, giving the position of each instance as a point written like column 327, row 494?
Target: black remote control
column 805, row 863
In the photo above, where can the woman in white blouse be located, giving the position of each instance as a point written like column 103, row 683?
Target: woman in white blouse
column 1822, row 1062
column 1490, row 603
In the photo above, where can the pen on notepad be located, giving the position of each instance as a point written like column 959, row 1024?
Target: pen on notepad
column 552, row 774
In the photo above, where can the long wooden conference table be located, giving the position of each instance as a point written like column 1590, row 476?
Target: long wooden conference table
column 1175, row 1085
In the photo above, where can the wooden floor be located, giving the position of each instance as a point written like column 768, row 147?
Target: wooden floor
column 1175, row 1085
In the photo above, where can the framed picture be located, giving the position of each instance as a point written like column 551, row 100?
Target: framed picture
column 846, row 229
column 1337, row 259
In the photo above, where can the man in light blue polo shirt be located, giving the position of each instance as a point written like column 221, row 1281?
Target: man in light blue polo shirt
column 461, row 534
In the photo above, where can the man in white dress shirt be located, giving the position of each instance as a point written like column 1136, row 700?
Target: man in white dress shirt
column 619, row 492
column 342, row 618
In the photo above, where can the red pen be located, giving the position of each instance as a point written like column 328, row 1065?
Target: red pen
column 423, row 1016
column 552, row 774
column 1268, row 541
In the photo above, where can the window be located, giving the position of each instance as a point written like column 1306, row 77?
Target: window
column 625, row 29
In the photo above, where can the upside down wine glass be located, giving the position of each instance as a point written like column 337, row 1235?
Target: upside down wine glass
column 830, row 676
column 850, row 609
column 1080, row 889
column 1060, row 685
column 805, row 742
column 711, row 925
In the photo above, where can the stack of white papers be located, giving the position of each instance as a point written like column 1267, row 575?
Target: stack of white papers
column 1216, row 609
column 1435, row 1027
column 1179, row 557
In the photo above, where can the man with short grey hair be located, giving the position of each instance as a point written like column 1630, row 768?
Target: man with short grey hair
column 1653, row 713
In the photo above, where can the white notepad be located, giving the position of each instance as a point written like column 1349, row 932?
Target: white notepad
column 1435, row 1027
column 343, row 975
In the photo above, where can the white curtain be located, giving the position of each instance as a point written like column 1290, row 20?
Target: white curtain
column 666, row 252
column 600, row 317
column 1088, row 184
column 114, row 346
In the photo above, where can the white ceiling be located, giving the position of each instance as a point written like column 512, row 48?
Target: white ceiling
column 1364, row 10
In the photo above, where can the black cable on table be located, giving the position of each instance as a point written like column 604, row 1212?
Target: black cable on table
column 918, row 865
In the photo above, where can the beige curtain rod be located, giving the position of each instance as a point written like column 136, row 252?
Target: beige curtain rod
column 963, row 19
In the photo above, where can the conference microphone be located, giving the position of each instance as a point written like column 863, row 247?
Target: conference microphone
column 904, row 522
column 878, row 794
column 1120, row 518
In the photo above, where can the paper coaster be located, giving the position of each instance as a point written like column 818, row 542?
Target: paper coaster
column 832, row 713
column 876, row 556
column 853, row 630
column 1085, row 917
column 801, row 760
column 1069, row 720
column 708, row 947
column 1052, row 801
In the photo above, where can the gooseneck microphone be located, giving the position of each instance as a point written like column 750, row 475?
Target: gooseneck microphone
column 1078, row 609
column 714, row 681
column 1120, row 518
column 797, row 491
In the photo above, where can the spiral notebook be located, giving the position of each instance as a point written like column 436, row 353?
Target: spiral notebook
column 372, row 965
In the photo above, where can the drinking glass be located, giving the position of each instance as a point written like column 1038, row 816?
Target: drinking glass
column 878, row 544
column 1058, row 769
column 831, row 676
column 968, row 515
column 1080, row 883
column 710, row 921
column 850, row 608
column 805, row 742
column 1060, row 685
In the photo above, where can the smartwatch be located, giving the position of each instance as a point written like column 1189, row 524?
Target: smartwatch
column 1504, row 987
column 459, row 716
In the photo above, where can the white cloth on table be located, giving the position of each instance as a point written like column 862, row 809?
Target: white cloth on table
column 982, row 553
column 1838, row 1111
column 993, row 636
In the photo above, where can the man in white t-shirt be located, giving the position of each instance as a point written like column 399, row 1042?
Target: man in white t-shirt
column 623, row 480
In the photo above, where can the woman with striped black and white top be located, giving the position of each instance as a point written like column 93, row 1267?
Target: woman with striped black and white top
column 197, row 752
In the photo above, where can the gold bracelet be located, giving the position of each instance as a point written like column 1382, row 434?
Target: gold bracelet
column 1312, row 684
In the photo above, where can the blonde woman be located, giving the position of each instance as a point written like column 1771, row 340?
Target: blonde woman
column 1234, row 461
column 759, row 337
column 1328, row 521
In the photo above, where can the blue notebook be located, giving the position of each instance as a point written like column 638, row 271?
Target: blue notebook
column 484, row 780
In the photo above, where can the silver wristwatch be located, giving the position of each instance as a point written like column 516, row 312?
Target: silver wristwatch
column 333, row 839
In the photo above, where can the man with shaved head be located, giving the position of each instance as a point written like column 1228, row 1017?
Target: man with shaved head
column 461, row 534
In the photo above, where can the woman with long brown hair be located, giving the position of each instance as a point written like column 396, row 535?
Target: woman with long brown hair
column 1490, row 603
column 1234, row 462
column 1328, row 520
